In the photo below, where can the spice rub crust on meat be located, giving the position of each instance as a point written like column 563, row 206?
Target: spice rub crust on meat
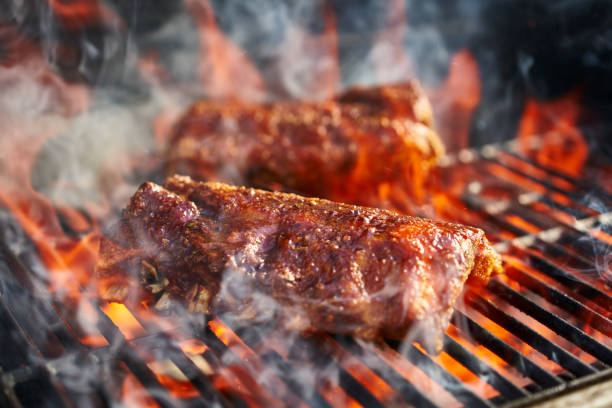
column 311, row 263
column 369, row 146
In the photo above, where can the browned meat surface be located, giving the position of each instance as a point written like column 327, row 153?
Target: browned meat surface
column 311, row 263
column 369, row 146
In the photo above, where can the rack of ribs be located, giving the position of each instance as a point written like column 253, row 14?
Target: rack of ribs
column 312, row 264
column 369, row 146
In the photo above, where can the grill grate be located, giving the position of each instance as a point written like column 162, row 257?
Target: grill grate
column 543, row 327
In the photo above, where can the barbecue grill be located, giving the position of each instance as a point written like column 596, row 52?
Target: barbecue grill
column 540, row 335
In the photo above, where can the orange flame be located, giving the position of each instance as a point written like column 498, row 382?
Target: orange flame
column 456, row 99
column 331, row 81
column 173, row 379
column 78, row 14
column 548, row 133
column 134, row 394
column 361, row 372
column 178, row 388
column 124, row 320
column 225, row 70
column 22, row 140
column 337, row 397
column 415, row 376
column 193, row 346
column 488, row 356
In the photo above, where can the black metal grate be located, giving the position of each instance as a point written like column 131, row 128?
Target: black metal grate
column 545, row 325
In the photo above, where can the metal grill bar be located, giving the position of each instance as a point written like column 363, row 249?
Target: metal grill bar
column 474, row 203
column 560, row 326
column 320, row 351
column 187, row 367
column 38, row 390
column 12, row 356
column 351, row 386
column 506, row 352
column 590, row 248
column 311, row 397
column 571, row 281
column 132, row 359
column 272, row 359
column 531, row 337
column 578, row 214
column 547, row 185
column 482, row 370
column 595, row 320
column 444, row 378
column 216, row 352
column 356, row 390
column 578, row 198
column 30, row 343
column 559, row 239
column 584, row 185
column 122, row 350
column 558, row 254
column 604, row 227
column 407, row 390
column 51, row 343
column 209, row 394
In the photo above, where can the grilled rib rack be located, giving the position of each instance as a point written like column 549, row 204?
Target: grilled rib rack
column 542, row 330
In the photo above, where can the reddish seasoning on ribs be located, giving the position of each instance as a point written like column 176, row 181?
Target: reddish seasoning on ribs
column 311, row 263
column 369, row 146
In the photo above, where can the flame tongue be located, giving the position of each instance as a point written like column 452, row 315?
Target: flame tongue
column 548, row 133
column 455, row 100
column 225, row 70
column 79, row 14
column 48, row 104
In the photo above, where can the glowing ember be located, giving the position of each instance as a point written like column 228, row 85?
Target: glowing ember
column 414, row 375
column 171, row 377
column 522, row 224
column 511, row 339
column 488, row 356
column 364, row 375
column 337, row 397
column 193, row 346
column 94, row 341
column 602, row 235
column 134, row 394
column 124, row 320
column 534, row 171
column 234, row 379
column 231, row 340
column 465, row 375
